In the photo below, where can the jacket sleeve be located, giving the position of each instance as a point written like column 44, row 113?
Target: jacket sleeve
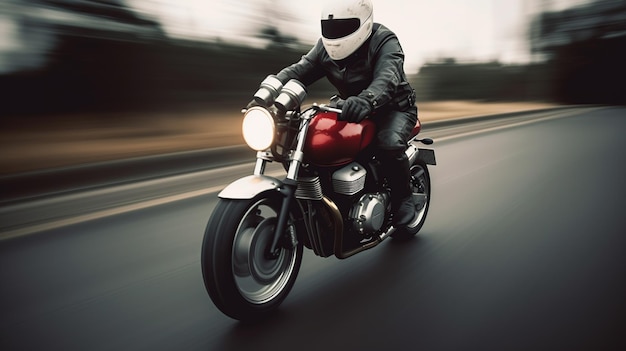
column 388, row 72
column 308, row 70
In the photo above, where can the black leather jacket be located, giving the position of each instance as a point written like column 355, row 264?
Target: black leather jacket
column 375, row 71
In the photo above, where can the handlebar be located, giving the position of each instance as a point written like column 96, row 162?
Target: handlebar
column 315, row 107
column 332, row 109
column 326, row 108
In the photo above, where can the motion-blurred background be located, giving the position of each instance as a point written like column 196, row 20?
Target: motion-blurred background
column 58, row 55
column 106, row 58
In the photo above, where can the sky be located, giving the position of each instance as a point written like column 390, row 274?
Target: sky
column 477, row 30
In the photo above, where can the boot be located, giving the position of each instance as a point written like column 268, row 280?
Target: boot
column 399, row 178
column 404, row 214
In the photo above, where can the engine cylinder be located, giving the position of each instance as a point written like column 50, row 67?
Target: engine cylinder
column 350, row 179
column 309, row 188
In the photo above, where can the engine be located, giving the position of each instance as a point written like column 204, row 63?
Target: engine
column 367, row 210
column 368, row 214
column 346, row 199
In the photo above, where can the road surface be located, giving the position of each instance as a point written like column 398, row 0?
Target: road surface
column 523, row 249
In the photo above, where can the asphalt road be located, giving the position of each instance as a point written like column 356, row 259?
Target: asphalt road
column 523, row 249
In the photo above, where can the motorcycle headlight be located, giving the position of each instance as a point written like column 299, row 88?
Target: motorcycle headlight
column 258, row 128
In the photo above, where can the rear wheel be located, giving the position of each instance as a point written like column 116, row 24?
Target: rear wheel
column 420, row 184
column 243, row 281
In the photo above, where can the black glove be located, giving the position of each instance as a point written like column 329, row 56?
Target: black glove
column 355, row 109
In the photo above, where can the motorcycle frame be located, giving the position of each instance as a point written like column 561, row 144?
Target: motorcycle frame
column 289, row 186
column 258, row 183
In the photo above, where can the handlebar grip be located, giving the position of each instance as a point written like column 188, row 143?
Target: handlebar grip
column 332, row 109
column 326, row 108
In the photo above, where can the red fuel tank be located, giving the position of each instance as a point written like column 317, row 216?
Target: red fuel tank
column 331, row 142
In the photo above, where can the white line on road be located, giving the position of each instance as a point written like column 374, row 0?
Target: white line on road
column 558, row 115
column 55, row 224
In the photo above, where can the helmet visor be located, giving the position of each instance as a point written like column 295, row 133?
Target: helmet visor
column 339, row 28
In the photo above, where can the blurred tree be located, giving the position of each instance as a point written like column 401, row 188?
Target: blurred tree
column 271, row 16
column 93, row 58
column 276, row 39
column 114, row 10
column 585, row 50
column 449, row 80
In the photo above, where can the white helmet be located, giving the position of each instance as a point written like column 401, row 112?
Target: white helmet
column 346, row 25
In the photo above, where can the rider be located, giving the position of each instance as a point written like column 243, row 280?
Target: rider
column 365, row 63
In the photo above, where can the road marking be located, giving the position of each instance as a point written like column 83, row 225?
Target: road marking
column 55, row 224
column 513, row 125
column 59, row 223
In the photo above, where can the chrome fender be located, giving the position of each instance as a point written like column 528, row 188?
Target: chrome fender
column 249, row 187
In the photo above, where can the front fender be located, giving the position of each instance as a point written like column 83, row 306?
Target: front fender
column 249, row 187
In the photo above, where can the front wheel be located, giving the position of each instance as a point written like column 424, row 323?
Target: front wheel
column 243, row 281
column 420, row 184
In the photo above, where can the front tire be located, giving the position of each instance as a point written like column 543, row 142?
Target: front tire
column 241, row 279
column 420, row 184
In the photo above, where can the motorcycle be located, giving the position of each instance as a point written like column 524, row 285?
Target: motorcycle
column 334, row 200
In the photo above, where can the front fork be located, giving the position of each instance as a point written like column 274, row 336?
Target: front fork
column 288, row 189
